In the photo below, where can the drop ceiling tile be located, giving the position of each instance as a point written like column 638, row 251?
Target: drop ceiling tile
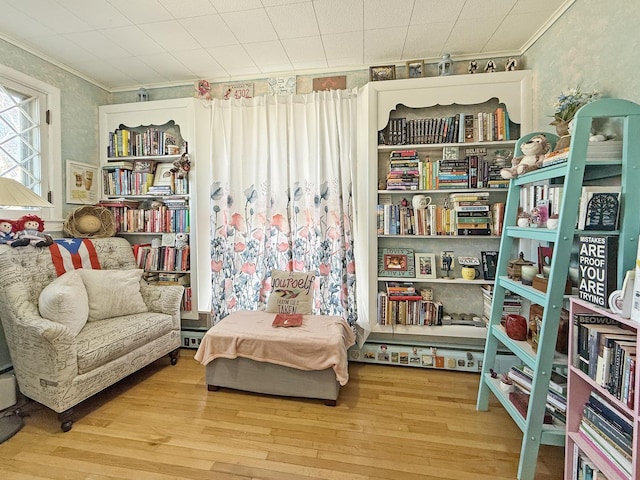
column 433, row 11
column 339, row 16
column 142, row 11
column 477, row 9
column 470, row 36
column 97, row 44
column 188, row 8
column 170, row 67
column 96, row 14
column 527, row 6
column 301, row 50
column 517, row 29
column 17, row 24
column 384, row 45
column 142, row 73
column 132, row 39
column 223, row 6
column 170, row 35
column 267, row 53
column 344, row 48
column 209, row 31
column 294, row 21
column 385, row 14
column 52, row 15
column 250, row 26
column 234, row 59
column 426, row 41
column 110, row 75
column 62, row 49
column 275, row 3
column 201, row 63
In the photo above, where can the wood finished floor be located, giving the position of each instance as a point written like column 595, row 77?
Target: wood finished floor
column 391, row 423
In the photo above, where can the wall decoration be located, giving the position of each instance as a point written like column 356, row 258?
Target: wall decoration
column 415, row 69
column 396, row 262
column 338, row 82
column 82, row 183
column 282, row 85
column 237, row 90
column 425, row 264
column 383, row 72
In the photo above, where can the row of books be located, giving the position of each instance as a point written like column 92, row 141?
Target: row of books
column 512, row 303
column 162, row 258
column 583, row 468
column 166, row 218
column 461, row 215
column 606, row 352
column 408, row 310
column 123, row 181
column 607, row 429
column 475, row 170
column 125, row 142
column 458, row 128
column 522, row 378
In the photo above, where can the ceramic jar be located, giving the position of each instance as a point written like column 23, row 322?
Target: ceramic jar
column 516, row 327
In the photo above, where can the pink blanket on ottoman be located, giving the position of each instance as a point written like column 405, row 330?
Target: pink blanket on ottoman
column 320, row 343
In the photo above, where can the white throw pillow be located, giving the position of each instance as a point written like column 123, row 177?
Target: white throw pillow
column 65, row 301
column 113, row 293
column 291, row 292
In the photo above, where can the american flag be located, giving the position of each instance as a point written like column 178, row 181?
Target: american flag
column 73, row 253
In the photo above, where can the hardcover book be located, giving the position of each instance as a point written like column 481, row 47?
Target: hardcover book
column 489, row 264
column 287, row 320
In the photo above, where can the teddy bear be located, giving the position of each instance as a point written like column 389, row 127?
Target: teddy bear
column 181, row 166
column 7, row 233
column 534, row 151
column 30, row 230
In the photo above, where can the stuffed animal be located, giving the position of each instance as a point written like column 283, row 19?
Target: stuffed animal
column 182, row 241
column 7, row 233
column 30, row 230
column 534, row 151
column 181, row 166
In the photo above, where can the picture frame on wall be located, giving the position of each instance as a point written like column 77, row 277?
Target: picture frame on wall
column 425, row 264
column 82, row 183
column 382, row 72
column 415, row 69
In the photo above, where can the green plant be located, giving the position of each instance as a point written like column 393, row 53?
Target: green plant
column 569, row 102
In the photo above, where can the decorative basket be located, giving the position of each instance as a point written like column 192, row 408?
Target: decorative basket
column 73, row 224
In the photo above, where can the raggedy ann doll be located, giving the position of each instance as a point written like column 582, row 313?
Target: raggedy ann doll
column 6, row 231
column 30, row 230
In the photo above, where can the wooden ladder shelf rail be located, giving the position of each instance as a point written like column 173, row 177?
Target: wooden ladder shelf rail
column 545, row 358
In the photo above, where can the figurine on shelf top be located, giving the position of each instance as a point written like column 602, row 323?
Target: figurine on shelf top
column 534, row 151
column 6, row 231
column 511, row 64
column 490, row 67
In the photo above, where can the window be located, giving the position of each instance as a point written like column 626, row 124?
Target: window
column 29, row 145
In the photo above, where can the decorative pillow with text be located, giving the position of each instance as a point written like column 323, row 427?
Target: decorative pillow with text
column 291, row 292
column 113, row 293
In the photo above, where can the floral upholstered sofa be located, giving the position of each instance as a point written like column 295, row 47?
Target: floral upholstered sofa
column 73, row 331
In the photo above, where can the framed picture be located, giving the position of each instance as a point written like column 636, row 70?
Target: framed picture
column 383, row 72
column 415, row 69
column 425, row 264
column 163, row 175
column 82, row 183
column 396, row 262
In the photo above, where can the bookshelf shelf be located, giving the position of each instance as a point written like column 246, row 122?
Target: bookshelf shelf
column 387, row 104
column 157, row 133
column 581, row 447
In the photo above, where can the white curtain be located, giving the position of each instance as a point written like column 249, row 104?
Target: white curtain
column 281, row 198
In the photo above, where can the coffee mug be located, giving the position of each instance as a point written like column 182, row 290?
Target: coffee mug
column 420, row 201
column 470, row 273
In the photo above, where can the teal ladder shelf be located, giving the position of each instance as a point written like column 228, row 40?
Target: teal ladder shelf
column 571, row 174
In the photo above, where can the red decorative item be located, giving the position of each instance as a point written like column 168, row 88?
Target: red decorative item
column 516, row 327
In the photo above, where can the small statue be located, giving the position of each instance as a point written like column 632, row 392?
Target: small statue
column 490, row 67
column 511, row 64
column 473, row 66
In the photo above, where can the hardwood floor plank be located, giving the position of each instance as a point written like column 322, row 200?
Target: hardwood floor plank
column 390, row 423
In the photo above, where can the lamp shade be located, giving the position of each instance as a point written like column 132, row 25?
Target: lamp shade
column 14, row 194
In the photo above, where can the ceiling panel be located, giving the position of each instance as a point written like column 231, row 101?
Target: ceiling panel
column 183, row 40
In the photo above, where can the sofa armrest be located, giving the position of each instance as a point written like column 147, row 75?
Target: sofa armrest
column 163, row 298
column 45, row 349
